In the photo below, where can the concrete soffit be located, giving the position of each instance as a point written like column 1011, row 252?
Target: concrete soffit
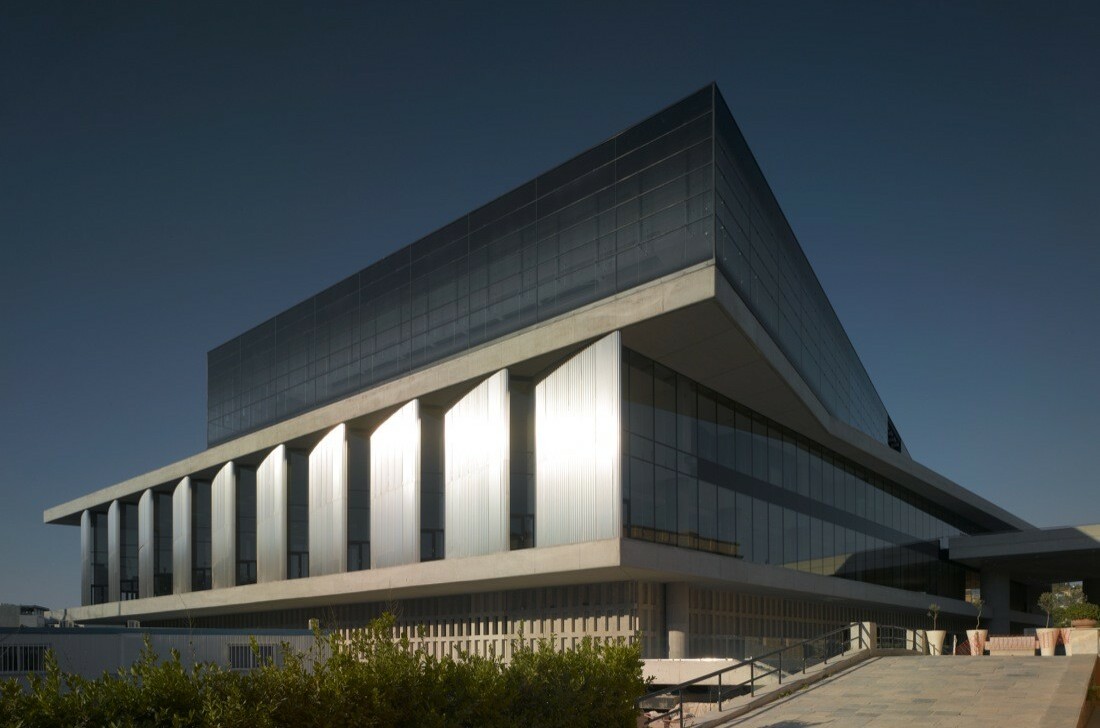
column 691, row 321
column 527, row 352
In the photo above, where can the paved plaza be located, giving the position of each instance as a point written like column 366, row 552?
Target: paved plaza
column 912, row 692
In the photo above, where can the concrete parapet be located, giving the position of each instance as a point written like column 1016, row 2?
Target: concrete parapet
column 1084, row 641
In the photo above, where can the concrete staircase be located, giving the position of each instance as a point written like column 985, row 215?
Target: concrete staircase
column 939, row 691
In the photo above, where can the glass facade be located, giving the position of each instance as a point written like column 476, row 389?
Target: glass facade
column 757, row 252
column 99, row 558
column 702, row 472
column 629, row 210
column 676, row 189
column 128, row 551
column 162, row 544
column 358, row 502
column 202, row 576
column 246, row 525
column 432, row 486
column 297, row 514
column 521, row 491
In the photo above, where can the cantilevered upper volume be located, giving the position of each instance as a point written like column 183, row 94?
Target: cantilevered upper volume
column 678, row 189
column 616, row 386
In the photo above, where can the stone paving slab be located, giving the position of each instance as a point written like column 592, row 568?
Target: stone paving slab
column 938, row 692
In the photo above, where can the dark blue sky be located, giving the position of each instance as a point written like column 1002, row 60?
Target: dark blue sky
column 173, row 174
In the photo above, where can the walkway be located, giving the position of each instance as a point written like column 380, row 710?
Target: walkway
column 937, row 692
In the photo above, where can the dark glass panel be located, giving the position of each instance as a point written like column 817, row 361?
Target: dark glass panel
column 201, row 545
column 246, row 525
column 162, row 543
column 297, row 514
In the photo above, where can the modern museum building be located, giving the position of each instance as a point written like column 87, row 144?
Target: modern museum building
column 614, row 401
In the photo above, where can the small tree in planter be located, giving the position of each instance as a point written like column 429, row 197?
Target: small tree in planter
column 1048, row 638
column 935, row 636
column 977, row 636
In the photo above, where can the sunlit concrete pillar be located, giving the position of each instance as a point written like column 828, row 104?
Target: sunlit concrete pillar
column 223, row 527
column 146, row 544
column 678, row 619
column 477, row 470
column 328, row 504
column 995, row 594
column 114, row 552
column 87, row 544
column 271, row 514
column 578, row 458
column 182, row 533
column 395, row 489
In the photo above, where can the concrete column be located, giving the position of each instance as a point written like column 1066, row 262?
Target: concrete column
column 86, row 547
column 328, row 504
column 864, row 635
column 1091, row 588
column 146, row 544
column 271, row 515
column 578, row 455
column 995, row 592
column 678, row 619
column 223, row 527
column 114, row 552
column 477, row 469
column 395, row 489
column 181, row 537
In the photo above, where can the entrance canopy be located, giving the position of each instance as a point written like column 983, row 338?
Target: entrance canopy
column 1051, row 555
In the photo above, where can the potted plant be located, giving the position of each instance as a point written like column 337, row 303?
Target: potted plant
column 1048, row 637
column 977, row 636
column 1082, row 614
column 935, row 636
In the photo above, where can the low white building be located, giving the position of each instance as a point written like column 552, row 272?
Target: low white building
column 22, row 615
column 92, row 651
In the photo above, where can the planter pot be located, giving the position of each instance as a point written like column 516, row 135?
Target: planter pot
column 935, row 641
column 977, row 638
column 1066, row 631
column 1048, row 640
column 1089, row 623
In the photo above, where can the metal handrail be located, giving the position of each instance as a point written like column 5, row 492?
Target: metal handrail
column 899, row 638
column 753, row 674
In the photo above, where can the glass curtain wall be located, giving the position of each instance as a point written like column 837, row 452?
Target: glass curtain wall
column 759, row 255
column 432, row 487
column 99, row 558
column 162, row 546
column 297, row 514
column 128, row 551
column 201, row 536
column 246, row 525
column 703, row 472
column 637, row 206
column 521, row 496
column 358, row 501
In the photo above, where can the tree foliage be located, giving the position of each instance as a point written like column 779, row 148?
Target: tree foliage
column 369, row 679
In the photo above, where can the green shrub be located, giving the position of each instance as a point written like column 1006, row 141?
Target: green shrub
column 367, row 680
column 1081, row 610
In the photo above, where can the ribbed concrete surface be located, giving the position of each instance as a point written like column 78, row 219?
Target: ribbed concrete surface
column 938, row 691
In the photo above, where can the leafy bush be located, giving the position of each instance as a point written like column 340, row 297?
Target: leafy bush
column 1081, row 610
column 367, row 680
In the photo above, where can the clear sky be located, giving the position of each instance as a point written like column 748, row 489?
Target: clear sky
column 172, row 174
